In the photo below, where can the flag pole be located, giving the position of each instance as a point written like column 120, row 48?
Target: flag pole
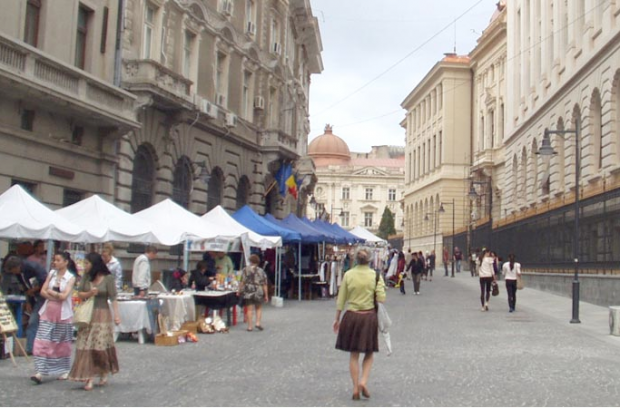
column 270, row 188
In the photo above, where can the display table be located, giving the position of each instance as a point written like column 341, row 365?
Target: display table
column 217, row 300
column 178, row 309
column 306, row 285
column 135, row 317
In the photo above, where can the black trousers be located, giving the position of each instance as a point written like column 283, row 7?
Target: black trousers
column 485, row 287
column 511, row 289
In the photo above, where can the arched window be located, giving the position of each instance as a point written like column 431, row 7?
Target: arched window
column 596, row 130
column 143, row 179
column 516, row 182
column 215, row 193
column 243, row 192
column 271, row 201
column 577, row 118
column 523, row 177
column 182, row 182
column 615, row 120
column 558, row 143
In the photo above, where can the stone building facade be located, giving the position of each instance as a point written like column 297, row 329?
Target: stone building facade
column 197, row 100
column 355, row 188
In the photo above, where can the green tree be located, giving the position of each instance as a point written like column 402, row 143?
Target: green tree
column 386, row 228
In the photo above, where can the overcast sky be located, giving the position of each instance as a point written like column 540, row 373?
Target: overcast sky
column 362, row 39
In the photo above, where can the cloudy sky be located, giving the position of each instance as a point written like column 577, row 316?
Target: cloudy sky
column 375, row 52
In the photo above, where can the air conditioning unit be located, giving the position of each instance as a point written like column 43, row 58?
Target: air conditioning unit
column 259, row 102
column 208, row 108
column 227, row 7
column 231, row 120
column 220, row 99
column 277, row 48
column 251, row 29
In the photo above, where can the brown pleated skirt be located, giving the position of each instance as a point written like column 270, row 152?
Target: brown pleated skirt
column 358, row 332
column 95, row 353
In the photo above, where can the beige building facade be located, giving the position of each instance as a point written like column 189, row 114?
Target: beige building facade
column 353, row 189
column 438, row 153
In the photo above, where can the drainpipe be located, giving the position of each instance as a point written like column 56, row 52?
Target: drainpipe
column 118, row 46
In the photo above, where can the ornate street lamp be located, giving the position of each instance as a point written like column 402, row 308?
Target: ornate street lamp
column 546, row 150
column 442, row 210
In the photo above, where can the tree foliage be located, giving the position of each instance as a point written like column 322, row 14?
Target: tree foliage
column 386, row 228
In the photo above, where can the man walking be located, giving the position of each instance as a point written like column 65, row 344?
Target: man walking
column 31, row 277
column 458, row 257
column 446, row 259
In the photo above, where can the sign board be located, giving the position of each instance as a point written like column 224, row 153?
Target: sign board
column 7, row 321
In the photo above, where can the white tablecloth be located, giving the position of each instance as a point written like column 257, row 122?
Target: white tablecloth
column 178, row 309
column 134, row 317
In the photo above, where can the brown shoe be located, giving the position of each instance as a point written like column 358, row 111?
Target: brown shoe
column 356, row 396
column 365, row 392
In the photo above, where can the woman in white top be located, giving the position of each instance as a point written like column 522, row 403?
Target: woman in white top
column 511, row 271
column 487, row 276
column 52, row 345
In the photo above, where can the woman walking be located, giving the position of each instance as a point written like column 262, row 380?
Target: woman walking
column 512, row 272
column 400, row 271
column 358, row 330
column 52, row 344
column 253, row 289
column 95, row 354
column 487, row 277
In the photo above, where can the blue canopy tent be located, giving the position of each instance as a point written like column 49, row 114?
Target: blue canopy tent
column 251, row 220
column 338, row 230
column 325, row 227
column 309, row 235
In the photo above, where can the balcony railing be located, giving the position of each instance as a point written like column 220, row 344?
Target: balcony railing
column 32, row 71
column 273, row 140
column 168, row 87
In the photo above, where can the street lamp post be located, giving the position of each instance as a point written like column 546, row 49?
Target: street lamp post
column 442, row 210
column 434, row 229
column 547, row 150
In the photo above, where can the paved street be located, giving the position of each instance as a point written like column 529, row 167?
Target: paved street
column 446, row 352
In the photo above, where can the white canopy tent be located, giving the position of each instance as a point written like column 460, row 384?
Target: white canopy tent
column 22, row 216
column 173, row 224
column 367, row 235
column 219, row 216
column 106, row 222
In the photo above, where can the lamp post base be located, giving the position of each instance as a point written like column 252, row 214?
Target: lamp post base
column 575, row 318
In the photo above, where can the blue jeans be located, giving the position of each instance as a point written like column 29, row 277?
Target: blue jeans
column 33, row 326
column 458, row 265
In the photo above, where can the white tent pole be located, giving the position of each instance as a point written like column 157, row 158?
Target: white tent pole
column 186, row 255
column 278, row 272
column 48, row 259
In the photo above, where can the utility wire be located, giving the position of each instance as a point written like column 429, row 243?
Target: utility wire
column 400, row 61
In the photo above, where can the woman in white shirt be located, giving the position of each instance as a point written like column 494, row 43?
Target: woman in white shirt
column 511, row 271
column 52, row 346
column 487, row 276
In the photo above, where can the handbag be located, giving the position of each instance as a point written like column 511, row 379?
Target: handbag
column 84, row 313
column 494, row 289
column 520, row 284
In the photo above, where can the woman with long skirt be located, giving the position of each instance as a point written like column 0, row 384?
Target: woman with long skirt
column 358, row 332
column 95, row 355
column 52, row 344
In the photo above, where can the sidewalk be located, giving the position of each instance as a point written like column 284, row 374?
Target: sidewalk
column 594, row 319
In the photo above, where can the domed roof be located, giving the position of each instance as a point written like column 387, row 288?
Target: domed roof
column 328, row 145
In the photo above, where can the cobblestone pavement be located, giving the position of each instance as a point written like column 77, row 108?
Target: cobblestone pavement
column 446, row 353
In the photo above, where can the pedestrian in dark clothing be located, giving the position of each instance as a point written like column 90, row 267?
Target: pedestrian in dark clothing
column 31, row 277
column 423, row 261
column 430, row 260
column 416, row 268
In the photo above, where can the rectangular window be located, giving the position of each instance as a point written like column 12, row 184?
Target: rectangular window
column 29, row 187
column 247, row 104
column 81, row 37
column 344, row 219
column 104, row 30
column 368, row 219
column 346, row 194
column 149, row 28
column 187, row 53
column 369, row 194
column 33, row 13
column 77, row 135
column 249, row 17
column 392, row 194
column 70, row 197
column 221, row 86
column 27, row 120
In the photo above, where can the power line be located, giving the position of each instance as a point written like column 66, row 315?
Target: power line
column 400, row 60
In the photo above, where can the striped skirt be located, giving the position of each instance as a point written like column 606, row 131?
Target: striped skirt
column 52, row 344
column 95, row 354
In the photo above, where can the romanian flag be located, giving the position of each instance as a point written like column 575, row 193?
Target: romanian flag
column 291, row 183
column 282, row 176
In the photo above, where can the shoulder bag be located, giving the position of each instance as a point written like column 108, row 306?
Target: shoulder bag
column 83, row 313
column 494, row 288
column 520, row 284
